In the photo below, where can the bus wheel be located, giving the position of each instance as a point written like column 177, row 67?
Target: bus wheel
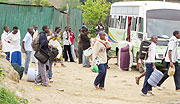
column 139, row 66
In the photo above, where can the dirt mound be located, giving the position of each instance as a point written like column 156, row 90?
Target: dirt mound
column 9, row 71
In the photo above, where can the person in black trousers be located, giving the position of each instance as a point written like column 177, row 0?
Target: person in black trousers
column 67, row 44
column 80, row 50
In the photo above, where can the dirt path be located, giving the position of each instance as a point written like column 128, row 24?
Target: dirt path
column 77, row 83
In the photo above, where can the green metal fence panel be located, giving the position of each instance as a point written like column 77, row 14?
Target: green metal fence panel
column 25, row 16
column 75, row 22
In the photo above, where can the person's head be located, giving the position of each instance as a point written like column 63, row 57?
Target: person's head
column 57, row 29
column 30, row 30
column 15, row 30
column 102, row 35
column 35, row 27
column 6, row 28
column 176, row 34
column 154, row 39
column 67, row 28
column 45, row 28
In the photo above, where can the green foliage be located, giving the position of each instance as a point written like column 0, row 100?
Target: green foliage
column 7, row 97
column 71, row 3
column 4, row 1
column 42, row 2
column 95, row 12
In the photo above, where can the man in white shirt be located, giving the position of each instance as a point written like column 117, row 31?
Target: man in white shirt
column 5, row 44
column 172, row 60
column 67, row 44
column 27, row 48
column 150, row 66
column 35, row 30
column 15, row 48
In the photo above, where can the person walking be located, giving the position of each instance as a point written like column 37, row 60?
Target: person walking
column 15, row 48
column 150, row 66
column 172, row 60
column 42, row 77
column 100, row 54
column 85, row 45
column 27, row 48
column 67, row 45
column 36, row 33
column 5, row 44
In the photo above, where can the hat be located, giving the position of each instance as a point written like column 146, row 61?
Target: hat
column 84, row 27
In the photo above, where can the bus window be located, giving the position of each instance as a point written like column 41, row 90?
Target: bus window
column 112, row 22
column 134, row 22
column 120, row 25
column 141, row 25
column 123, row 24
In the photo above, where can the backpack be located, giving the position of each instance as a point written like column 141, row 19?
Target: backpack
column 36, row 43
column 144, row 47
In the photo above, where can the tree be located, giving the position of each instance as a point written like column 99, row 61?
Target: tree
column 42, row 2
column 95, row 11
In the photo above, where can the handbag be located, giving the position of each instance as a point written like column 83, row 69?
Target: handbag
column 164, row 63
column 41, row 55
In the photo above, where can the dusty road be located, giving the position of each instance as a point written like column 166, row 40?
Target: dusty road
column 74, row 85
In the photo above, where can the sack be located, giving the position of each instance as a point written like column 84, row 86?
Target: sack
column 36, row 43
column 32, row 74
column 88, row 52
column 171, row 71
column 41, row 56
column 144, row 47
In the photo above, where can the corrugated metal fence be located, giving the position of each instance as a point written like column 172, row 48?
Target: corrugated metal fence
column 25, row 16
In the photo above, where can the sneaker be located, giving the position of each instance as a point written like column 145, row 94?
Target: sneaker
column 51, row 81
column 178, row 90
column 38, row 84
column 159, row 88
column 142, row 94
column 47, row 85
column 151, row 93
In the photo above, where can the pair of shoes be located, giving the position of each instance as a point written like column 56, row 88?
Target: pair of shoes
column 158, row 87
column 151, row 93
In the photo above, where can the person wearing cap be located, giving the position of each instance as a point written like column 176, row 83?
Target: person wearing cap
column 85, row 41
column 172, row 60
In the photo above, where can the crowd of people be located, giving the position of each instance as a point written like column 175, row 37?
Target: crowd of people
column 59, row 46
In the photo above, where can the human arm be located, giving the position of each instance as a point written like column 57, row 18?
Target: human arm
column 171, row 45
column 23, row 47
column 96, row 49
column 170, row 58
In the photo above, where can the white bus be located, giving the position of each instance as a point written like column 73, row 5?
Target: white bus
column 139, row 20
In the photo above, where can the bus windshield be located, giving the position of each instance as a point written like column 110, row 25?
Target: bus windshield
column 162, row 22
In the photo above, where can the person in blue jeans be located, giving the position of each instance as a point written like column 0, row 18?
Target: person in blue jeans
column 172, row 60
column 27, row 48
column 100, row 54
column 150, row 66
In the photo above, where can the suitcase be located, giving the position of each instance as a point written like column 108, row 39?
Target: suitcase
column 125, row 58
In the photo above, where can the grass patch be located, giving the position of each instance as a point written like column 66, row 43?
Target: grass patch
column 7, row 97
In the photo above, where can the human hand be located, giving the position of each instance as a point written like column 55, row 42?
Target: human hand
column 154, row 67
column 171, row 64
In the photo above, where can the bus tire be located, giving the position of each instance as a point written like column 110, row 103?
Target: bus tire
column 139, row 66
